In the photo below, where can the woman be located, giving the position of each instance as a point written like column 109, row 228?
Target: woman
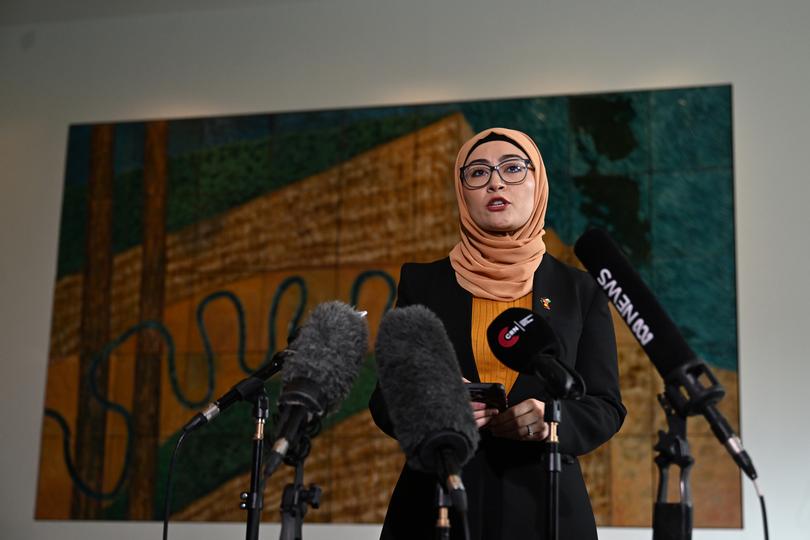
column 500, row 262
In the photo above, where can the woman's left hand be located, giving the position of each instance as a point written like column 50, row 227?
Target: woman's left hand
column 522, row 422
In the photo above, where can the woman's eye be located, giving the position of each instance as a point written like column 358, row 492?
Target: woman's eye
column 514, row 168
column 477, row 173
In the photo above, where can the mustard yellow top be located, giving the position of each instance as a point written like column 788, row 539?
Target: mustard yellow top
column 484, row 312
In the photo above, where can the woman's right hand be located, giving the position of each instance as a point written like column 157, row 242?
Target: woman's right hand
column 481, row 414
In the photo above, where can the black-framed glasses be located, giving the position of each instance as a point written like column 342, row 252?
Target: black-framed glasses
column 512, row 171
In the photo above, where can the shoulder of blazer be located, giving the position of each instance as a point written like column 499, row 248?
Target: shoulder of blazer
column 426, row 270
column 580, row 277
column 422, row 277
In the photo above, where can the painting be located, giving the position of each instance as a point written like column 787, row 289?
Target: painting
column 189, row 249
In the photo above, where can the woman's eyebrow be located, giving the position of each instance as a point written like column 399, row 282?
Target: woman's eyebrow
column 502, row 158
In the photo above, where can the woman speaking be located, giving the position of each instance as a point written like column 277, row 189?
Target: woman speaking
column 501, row 262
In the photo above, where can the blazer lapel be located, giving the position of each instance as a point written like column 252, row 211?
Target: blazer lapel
column 529, row 385
column 541, row 296
column 457, row 317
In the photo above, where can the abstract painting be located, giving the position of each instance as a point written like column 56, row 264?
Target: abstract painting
column 189, row 249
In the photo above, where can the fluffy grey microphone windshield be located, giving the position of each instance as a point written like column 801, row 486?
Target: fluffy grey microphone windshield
column 329, row 351
column 421, row 382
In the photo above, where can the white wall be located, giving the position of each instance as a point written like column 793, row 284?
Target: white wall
column 323, row 54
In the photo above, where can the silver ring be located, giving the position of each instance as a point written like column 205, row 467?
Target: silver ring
column 529, row 429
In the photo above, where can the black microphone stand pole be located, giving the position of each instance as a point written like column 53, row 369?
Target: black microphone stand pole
column 564, row 383
column 673, row 520
column 253, row 500
column 553, row 415
column 296, row 497
column 443, row 504
column 689, row 389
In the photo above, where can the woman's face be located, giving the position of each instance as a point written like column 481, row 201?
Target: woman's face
column 499, row 207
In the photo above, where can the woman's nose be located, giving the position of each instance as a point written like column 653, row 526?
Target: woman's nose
column 495, row 183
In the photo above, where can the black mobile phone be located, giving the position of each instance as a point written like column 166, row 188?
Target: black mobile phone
column 493, row 394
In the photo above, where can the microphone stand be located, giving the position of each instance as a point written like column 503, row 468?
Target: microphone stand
column 688, row 390
column 253, row 500
column 443, row 505
column 553, row 415
column 564, row 384
column 673, row 520
column 561, row 382
column 450, row 492
column 296, row 497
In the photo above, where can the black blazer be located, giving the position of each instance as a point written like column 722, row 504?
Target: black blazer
column 506, row 479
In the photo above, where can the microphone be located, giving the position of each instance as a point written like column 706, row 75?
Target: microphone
column 328, row 353
column 675, row 361
column 524, row 342
column 243, row 390
column 428, row 404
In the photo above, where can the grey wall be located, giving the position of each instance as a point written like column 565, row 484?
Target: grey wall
column 319, row 54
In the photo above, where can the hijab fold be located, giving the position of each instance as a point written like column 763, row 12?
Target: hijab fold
column 500, row 266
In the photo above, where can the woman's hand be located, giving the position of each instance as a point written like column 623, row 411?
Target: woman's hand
column 522, row 422
column 481, row 414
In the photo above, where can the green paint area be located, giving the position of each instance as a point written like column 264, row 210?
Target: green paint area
column 613, row 202
column 609, row 168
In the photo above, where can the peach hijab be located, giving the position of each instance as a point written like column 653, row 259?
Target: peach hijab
column 500, row 266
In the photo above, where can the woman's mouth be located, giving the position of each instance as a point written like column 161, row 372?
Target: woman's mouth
column 497, row 205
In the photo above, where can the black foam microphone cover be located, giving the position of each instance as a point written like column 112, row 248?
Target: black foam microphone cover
column 422, row 387
column 329, row 349
column 523, row 341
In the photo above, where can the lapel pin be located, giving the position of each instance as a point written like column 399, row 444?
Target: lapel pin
column 546, row 302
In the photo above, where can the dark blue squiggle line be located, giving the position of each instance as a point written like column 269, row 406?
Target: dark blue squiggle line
column 361, row 279
column 299, row 311
column 209, row 352
column 73, row 473
column 92, row 379
column 170, row 353
column 178, row 392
